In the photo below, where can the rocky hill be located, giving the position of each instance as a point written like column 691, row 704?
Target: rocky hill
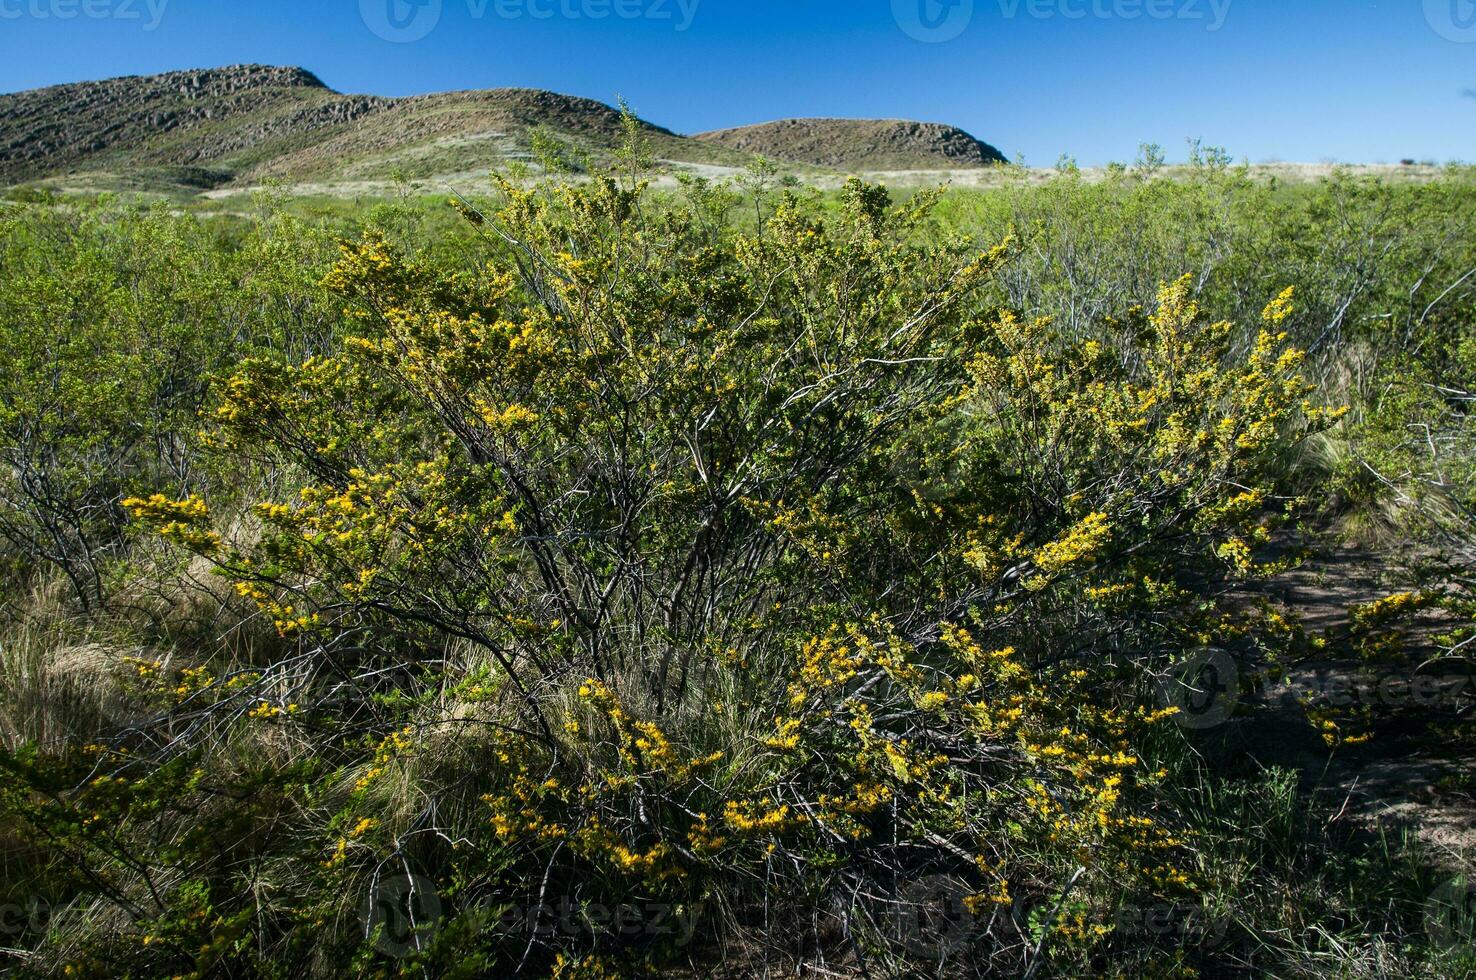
column 188, row 118
column 243, row 124
column 860, row 144
column 456, row 133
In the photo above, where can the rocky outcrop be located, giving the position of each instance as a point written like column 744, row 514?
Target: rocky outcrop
column 50, row 130
column 247, row 123
column 860, row 144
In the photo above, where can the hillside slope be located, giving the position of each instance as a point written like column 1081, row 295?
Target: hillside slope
column 860, row 144
column 235, row 127
column 456, row 133
column 245, row 123
column 181, row 119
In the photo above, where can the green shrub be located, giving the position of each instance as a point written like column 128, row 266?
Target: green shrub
column 788, row 576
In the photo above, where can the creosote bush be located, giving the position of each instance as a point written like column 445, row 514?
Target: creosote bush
column 741, row 577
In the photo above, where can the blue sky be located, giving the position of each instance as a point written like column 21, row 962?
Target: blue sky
column 1306, row 80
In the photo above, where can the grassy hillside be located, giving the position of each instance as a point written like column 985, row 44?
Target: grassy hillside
column 461, row 133
column 185, row 132
column 245, row 124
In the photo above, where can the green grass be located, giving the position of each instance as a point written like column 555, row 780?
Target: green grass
column 687, row 345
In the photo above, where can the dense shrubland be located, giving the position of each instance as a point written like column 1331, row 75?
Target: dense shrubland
column 758, row 575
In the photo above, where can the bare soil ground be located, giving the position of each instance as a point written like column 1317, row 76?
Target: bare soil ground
column 987, row 177
column 1407, row 782
column 1407, row 779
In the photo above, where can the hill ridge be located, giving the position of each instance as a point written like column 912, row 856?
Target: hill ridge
column 242, row 124
column 873, row 144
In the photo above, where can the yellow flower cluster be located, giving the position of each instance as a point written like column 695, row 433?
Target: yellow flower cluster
column 1081, row 544
column 753, row 819
column 185, row 522
column 1381, row 611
